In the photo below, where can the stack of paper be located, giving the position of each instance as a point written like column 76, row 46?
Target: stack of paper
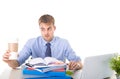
column 48, row 68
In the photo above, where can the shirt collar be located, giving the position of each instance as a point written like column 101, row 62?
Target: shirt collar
column 51, row 42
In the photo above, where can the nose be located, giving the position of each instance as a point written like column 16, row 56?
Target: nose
column 46, row 31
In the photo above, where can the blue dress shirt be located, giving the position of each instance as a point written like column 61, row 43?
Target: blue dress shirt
column 36, row 47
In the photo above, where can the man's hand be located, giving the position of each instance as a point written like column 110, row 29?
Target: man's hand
column 11, row 63
column 75, row 65
column 6, row 56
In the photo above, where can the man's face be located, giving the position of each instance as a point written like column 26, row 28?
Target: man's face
column 47, row 31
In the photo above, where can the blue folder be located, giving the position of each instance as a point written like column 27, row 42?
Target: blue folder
column 26, row 71
column 62, row 77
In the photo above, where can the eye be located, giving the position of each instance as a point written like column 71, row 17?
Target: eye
column 42, row 29
column 49, row 28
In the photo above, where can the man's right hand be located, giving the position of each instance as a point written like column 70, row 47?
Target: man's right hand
column 11, row 63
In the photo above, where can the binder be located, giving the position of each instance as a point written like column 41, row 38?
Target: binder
column 53, row 77
column 33, row 74
column 26, row 71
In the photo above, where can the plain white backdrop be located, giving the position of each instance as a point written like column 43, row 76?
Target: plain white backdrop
column 91, row 26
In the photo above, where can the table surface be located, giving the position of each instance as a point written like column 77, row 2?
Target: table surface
column 10, row 73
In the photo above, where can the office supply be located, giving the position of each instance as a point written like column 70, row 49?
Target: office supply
column 36, row 72
column 54, row 77
column 43, row 68
column 60, row 68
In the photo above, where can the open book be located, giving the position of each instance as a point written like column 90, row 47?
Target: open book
column 46, row 64
column 47, row 61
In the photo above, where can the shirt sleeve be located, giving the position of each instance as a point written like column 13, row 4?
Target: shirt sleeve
column 25, row 52
column 70, row 54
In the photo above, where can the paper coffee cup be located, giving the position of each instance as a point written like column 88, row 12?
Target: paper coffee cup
column 13, row 56
column 13, row 48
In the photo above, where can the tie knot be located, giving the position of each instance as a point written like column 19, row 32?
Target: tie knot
column 48, row 44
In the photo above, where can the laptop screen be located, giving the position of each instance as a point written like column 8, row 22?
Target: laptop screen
column 97, row 67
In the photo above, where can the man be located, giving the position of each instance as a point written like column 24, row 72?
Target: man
column 36, row 47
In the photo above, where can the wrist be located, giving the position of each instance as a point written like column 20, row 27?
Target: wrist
column 79, row 66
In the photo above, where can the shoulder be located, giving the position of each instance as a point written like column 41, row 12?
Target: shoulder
column 61, row 40
column 32, row 40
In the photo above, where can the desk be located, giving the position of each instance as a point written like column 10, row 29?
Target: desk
column 9, row 73
column 13, row 73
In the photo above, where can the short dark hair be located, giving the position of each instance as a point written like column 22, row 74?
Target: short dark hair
column 48, row 19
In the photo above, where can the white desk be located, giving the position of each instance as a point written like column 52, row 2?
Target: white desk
column 16, row 73
column 9, row 73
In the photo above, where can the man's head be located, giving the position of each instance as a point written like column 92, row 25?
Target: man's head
column 46, row 23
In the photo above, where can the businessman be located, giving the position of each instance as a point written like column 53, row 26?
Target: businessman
column 46, row 45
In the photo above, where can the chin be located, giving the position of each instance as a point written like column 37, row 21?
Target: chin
column 48, row 40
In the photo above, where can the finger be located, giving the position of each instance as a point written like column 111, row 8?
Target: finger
column 76, row 66
column 71, row 63
column 5, row 59
column 7, row 51
column 73, row 66
column 6, row 56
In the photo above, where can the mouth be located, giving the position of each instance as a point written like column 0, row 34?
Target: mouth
column 46, row 36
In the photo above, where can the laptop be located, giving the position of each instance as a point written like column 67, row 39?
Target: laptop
column 97, row 67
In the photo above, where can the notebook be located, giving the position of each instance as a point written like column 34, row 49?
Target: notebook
column 97, row 67
column 54, row 77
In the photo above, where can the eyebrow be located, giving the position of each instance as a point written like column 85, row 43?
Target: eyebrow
column 47, row 28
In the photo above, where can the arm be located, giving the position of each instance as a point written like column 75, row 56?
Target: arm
column 23, row 55
column 75, row 61
column 13, row 63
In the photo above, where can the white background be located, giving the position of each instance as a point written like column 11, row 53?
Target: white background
column 91, row 26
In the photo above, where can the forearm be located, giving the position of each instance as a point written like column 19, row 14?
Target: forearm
column 13, row 63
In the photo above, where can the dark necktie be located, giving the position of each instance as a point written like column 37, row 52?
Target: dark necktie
column 48, row 50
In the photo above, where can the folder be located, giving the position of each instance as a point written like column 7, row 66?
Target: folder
column 27, row 71
column 53, row 77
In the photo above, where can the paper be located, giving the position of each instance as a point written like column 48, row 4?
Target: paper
column 46, row 62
